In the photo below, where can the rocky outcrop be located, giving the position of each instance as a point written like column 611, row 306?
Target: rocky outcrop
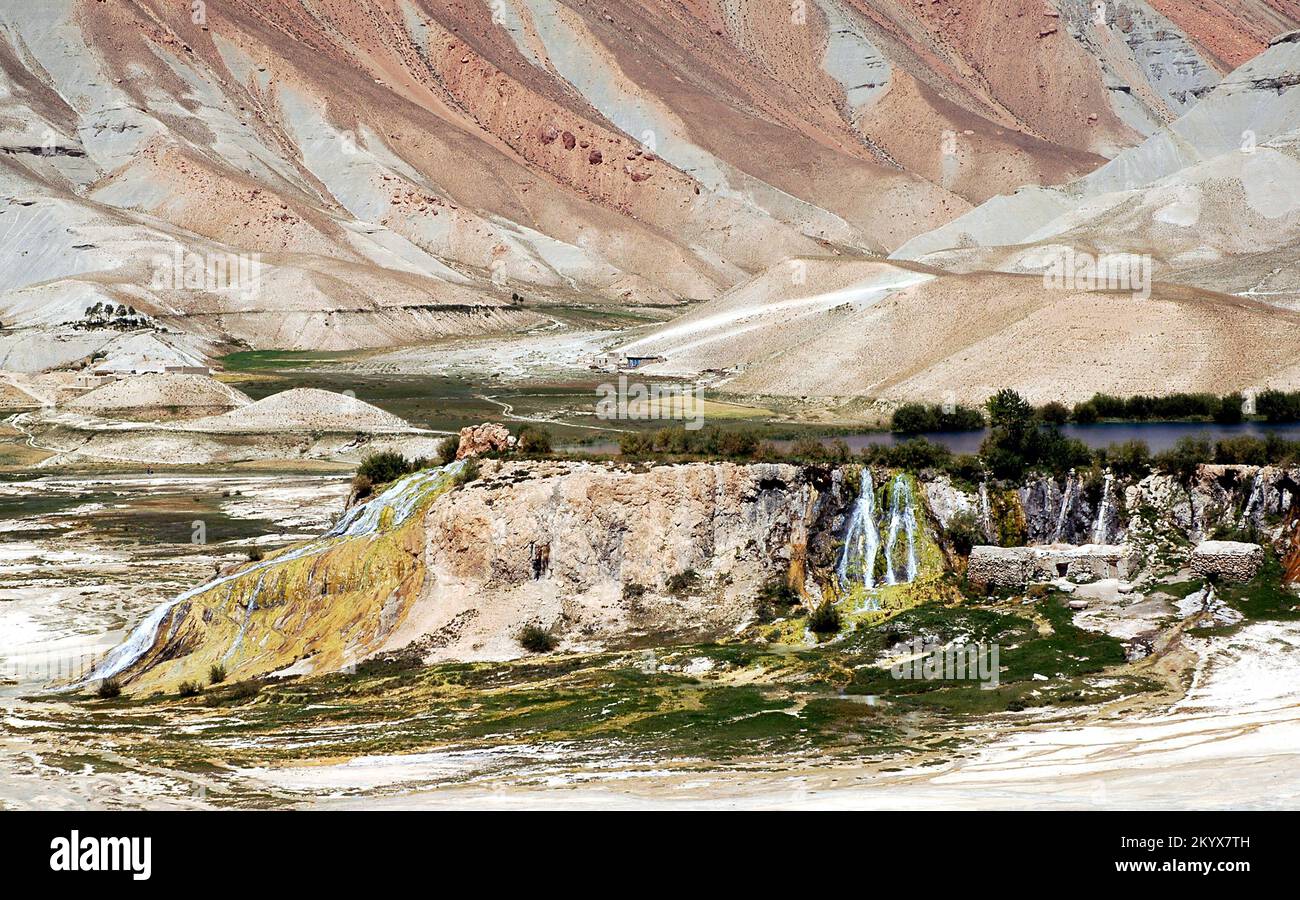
column 1227, row 560
column 489, row 437
column 1102, row 508
column 600, row 554
column 604, row 554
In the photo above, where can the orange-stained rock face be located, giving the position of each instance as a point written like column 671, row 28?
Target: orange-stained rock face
column 1290, row 545
column 475, row 440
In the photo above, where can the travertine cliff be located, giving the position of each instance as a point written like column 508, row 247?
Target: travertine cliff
column 599, row 554
column 605, row 554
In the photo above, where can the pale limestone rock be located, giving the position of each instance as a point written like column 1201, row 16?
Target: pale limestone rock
column 588, row 549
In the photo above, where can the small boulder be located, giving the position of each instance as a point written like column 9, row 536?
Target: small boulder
column 486, row 438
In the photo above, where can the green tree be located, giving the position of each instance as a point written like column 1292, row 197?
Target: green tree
column 534, row 441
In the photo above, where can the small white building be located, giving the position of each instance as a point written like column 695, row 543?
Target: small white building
column 92, row 379
column 615, row 361
column 609, row 362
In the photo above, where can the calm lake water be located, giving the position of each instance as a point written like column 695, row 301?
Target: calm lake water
column 1157, row 435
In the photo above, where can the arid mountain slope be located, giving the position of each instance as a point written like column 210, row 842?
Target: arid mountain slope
column 1213, row 198
column 404, row 169
column 906, row 335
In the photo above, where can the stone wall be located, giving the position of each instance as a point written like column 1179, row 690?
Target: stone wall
column 999, row 567
column 1008, row 567
column 1227, row 560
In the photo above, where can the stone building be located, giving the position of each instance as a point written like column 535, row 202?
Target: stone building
column 1010, row 567
column 1227, row 560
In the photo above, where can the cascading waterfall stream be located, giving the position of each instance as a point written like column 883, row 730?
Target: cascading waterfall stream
column 862, row 542
column 1254, row 500
column 986, row 513
column 1099, row 532
column 403, row 497
column 1065, row 507
column 902, row 516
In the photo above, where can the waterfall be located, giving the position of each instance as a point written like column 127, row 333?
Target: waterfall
column 986, row 514
column 862, row 541
column 1065, row 507
column 1255, row 498
column 862, row 544
column 902, row 515
column 1099, row 533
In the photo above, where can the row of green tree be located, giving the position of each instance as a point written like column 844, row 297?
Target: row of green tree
column 1019, row 441
column 1272, row 406
column 918, row 418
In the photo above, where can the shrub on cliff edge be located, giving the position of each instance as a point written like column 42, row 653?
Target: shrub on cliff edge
column 536, row 639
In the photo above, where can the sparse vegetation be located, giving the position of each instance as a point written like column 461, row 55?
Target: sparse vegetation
column 775, row 599
column 232, row 694
column 216, row 673
column 119, row 317
column 385, row 466
column 448, row 448
column 108, row 689
column 825, row 619
column 1182, row 460
column 963, row 533
column 710, row 442
column 534, row 441
column 536, row 639
column 682, row 582
column 470, row 471
column 362, row 487
column 189, row 689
